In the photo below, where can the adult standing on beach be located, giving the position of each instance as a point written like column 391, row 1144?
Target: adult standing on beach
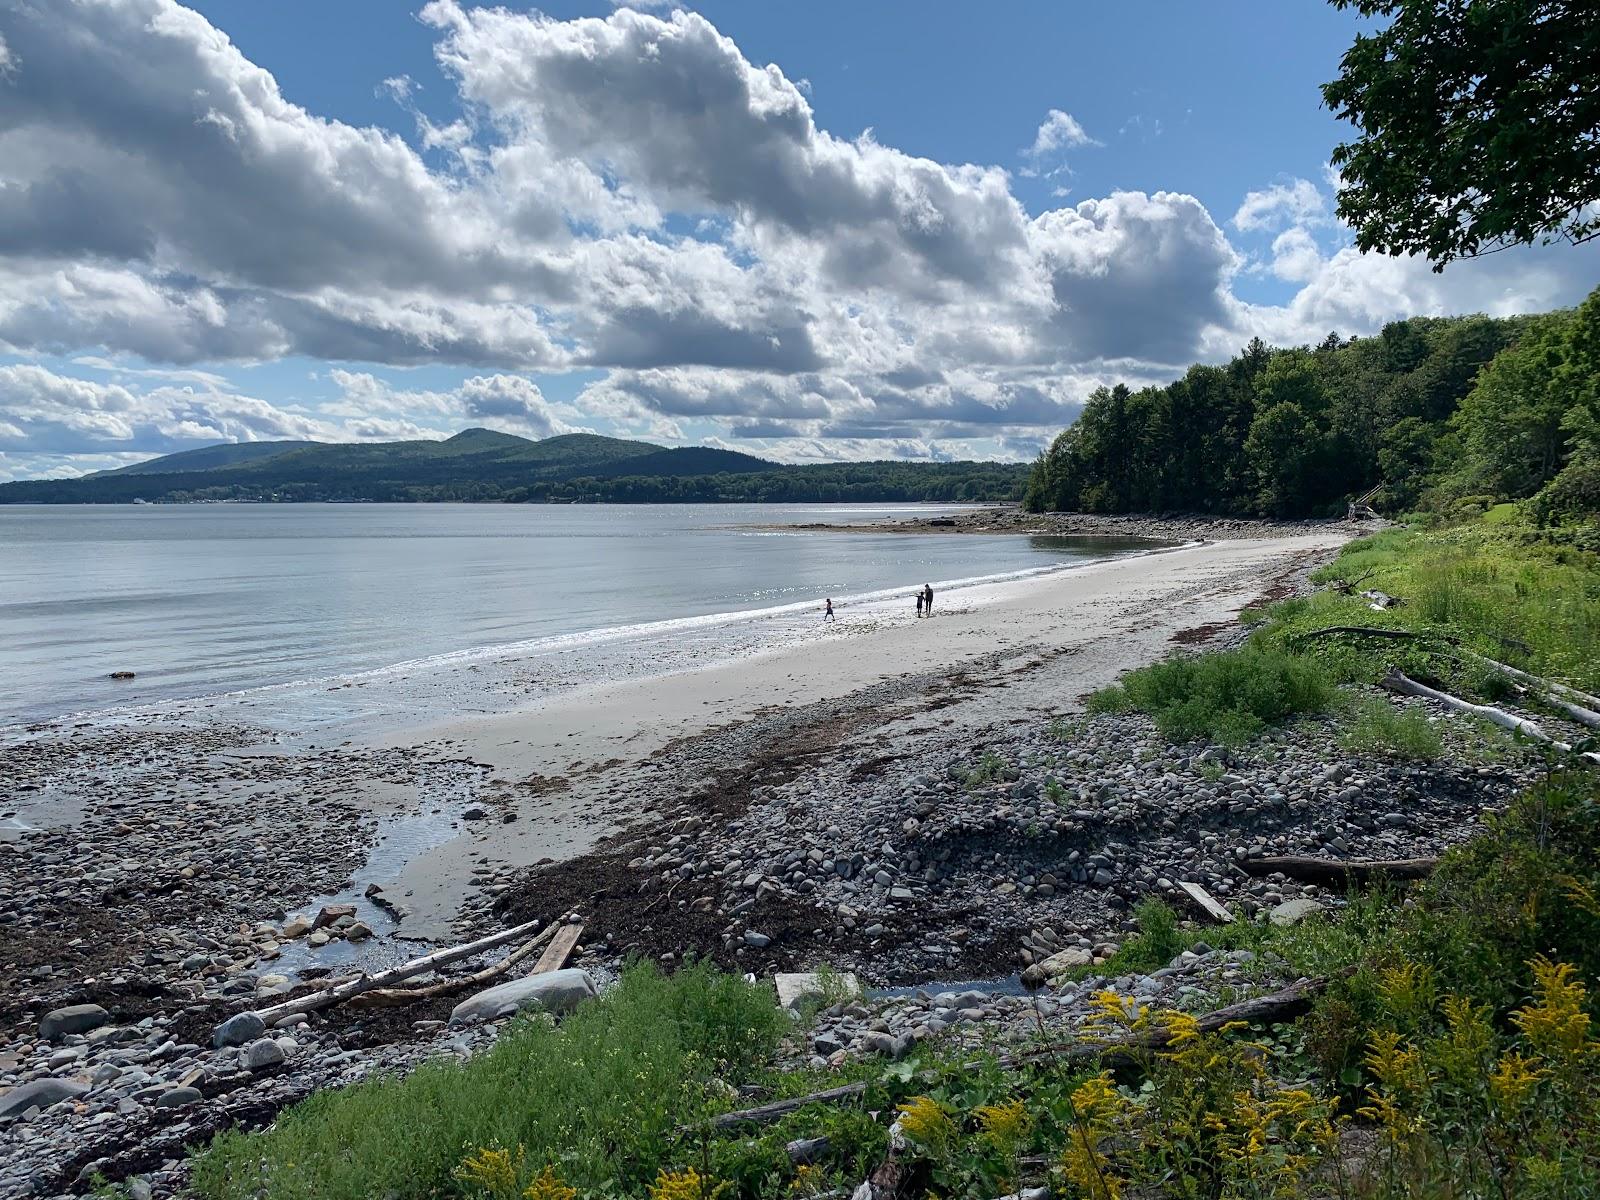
column 827, row 609
column 927, row 598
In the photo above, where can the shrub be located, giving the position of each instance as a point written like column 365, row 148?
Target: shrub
column 600, row 1096
column 1228, row 696
column 1158, row 941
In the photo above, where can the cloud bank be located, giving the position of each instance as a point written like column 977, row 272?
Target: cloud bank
column 629, row 196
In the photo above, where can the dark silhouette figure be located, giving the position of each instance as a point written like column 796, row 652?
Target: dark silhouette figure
column 927, row 598
column 827, row 610
column 919, row 604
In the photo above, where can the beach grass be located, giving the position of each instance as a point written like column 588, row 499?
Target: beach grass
column 1494, row 587
column 1375, row 726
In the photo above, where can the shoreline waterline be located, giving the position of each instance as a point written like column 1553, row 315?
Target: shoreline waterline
column 680, row 644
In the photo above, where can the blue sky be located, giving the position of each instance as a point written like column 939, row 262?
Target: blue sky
column 805, row 231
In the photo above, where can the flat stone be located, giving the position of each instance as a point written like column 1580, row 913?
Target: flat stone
column 330, row 913
column 1292, row 912
column 177, row 1097
column 40, row 1093
column 797, row 987
column 295, row 927
column 552, row 991
column 1056, row 965
column 77, row 1018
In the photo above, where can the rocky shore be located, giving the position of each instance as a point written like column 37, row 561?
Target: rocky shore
column 1179, row 527
column 906, row 833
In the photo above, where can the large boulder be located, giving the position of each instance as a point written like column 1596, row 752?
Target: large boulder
column 238, row 1029
column 76, row 1018
column 551, row 991
column 263, row 1052
column 177, row 1097
column 1056, row 965
column 41, row 1093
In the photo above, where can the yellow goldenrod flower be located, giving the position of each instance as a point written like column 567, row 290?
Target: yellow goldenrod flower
column 927, row 1125
column 1402, row 1079
column 809, row 1180
column 1513, row 1080
column 1004, row 1125
column 1555, row 1023
column 1111, row 1015
column 687, row 1184
column 1580, row 893
column 1407, row 990
column 493, row 1169
column 1097, row 1107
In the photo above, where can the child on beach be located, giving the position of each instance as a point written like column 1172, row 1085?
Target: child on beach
column 827, row 610
column 919, row 604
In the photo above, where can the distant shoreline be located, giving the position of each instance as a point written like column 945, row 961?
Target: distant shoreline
column 1011, row 519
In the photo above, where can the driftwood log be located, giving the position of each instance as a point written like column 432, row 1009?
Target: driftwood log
column 1367, row 631
column 556, row 955
column 391, row 997
column 1399, row 682
column 1333, row 871
column 1571, row 703
column 1209, row 904
column 348, row 988
column 1291, row 1001
column 766, row 1114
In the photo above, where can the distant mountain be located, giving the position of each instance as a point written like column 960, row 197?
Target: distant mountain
column 206, row 458
column 486, row 465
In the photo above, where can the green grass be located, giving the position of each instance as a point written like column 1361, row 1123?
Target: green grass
column 990, row 768
column 1491, row 584
column 600, row 1096
column 1375, row 726
column 1227, row 696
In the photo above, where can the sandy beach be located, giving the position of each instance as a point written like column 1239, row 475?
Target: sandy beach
column 993, row 654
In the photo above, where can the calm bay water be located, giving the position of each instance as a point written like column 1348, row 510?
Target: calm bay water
column 209, row 599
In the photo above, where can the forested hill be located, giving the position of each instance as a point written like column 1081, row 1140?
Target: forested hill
column 483, row 465
column 1430, row 411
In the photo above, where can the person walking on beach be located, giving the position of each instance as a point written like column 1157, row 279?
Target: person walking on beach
column 927, row 598
column 827, row 609
column 919, row 604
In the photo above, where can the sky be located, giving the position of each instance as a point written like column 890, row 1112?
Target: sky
column 811, row 232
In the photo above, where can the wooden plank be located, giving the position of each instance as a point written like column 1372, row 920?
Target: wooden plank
column 1213, row 907
column 559, row 950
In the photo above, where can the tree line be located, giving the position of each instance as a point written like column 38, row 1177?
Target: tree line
column 818, row 483
column 1429, row 411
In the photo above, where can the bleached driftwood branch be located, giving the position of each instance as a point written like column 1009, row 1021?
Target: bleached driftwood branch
column 1403, row 684
column 345, row 989
column 389, row 997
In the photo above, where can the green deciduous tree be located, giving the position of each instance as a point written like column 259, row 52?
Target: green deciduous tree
column 1511, row 421
column 1480, row 125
